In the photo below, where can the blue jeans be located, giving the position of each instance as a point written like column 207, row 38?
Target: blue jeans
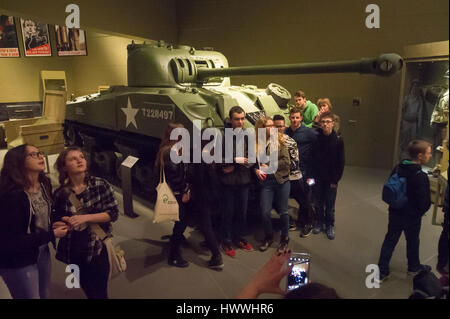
column 30, row 282
column 302, row 193
column 325, row 199
column 274, row 195
column 234, row 215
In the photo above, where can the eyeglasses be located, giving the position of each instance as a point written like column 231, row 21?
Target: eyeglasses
column 326, row 122
column 36, row 154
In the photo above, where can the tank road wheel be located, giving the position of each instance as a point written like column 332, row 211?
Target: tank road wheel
column 72, row 137
column 105, row 162
column 279, row 94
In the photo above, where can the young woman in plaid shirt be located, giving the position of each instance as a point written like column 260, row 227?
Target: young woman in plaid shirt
column 81, row 245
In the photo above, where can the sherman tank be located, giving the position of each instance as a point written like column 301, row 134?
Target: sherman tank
column 180, row 84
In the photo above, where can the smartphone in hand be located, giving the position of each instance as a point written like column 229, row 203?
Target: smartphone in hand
column 299, row 275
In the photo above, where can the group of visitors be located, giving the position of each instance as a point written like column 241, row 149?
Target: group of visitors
column 310, row 163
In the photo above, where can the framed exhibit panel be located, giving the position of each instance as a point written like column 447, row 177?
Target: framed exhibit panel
column 9, row 46
column 423, row 103
column 36, row 38
column 70, row 42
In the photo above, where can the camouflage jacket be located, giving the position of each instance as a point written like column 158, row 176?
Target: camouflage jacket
column 440, row 112
column 295, row 173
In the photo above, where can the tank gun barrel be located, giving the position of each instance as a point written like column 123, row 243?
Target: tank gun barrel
column 384, row 65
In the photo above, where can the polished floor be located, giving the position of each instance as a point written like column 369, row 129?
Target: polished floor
column 361, row 224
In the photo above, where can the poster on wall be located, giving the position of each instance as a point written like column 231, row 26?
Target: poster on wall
column 9, row 46
column 36, row 38
column 70, row 41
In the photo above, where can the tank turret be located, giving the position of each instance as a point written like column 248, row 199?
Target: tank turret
column 160, row 65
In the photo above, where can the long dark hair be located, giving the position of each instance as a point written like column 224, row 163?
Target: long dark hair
column 60, row 164
column 13, row 174
column 166, row 143
column 313, row 290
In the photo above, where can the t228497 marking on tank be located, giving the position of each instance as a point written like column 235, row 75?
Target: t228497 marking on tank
column 158, row 111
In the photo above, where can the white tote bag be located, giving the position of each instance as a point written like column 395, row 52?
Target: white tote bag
column 166, row 208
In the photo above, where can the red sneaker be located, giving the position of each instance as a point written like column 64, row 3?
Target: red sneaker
column 244, row 245
column 228, row 250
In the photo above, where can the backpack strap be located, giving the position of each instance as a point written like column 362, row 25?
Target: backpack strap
column 78, row 207
column 98, row 231
column 75, row 201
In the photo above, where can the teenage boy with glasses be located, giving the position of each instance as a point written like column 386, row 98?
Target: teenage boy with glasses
column 328, row 166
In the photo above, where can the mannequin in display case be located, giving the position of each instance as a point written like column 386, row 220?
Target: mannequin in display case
column 412, row 115
column 439, row 118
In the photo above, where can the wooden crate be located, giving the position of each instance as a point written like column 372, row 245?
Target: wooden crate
column 43, row 139
column 52, row 149
column 12, row 127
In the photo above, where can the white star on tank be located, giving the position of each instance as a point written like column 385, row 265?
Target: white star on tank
column 130, row 113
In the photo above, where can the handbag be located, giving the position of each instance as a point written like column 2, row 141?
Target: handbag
column 117, row 263
column 116, row 256
column 166, row 207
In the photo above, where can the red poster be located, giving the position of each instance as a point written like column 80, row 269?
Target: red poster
column 43, row 50
column 9, row 46
column 36, row 38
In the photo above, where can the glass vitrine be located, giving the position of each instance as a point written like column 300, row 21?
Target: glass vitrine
column 424, row 97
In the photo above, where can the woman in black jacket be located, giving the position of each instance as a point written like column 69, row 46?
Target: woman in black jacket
column 25, row 231
column 176, row 177
column 207, row 200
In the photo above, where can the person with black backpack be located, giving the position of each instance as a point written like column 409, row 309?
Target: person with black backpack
column 408, row 194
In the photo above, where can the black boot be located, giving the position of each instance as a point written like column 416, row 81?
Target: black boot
column 216, row 262
column 175, row 258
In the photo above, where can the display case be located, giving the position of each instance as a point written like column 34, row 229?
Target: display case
column 423, row 108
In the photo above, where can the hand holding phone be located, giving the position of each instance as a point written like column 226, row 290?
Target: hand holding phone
column 268, row 278
column 299, row 275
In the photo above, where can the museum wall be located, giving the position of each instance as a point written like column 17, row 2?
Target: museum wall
column 105, row 64
column 20, row 79
column 106, row 60
column 154, row 19
column 256, row 32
